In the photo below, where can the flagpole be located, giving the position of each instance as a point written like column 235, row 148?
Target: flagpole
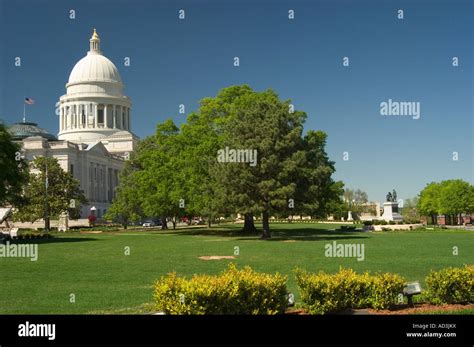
column 24, row 111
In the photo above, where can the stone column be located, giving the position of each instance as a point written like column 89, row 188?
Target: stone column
column 65, row 118
column 95, row 113
column 60, row 119
column 106, row 125
column 114, row 116
column 128, row 119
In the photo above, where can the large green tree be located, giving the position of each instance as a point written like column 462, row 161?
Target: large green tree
column 428, row 204
column 49, row 191
column 176, row 171
column 13, row 170
column 455, row 198
column 291, row 173
column 450, row 198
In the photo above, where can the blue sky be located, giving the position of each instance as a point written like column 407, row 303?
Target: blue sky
column 181, row 61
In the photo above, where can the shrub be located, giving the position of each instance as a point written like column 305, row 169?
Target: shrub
column 451, row 286
column 392, row 222
column 347, row 227
column 231, row 292
column 324, row 293
column 368, row 222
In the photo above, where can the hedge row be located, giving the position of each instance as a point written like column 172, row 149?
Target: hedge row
column 451, row 286
column 325, row 293
column 231, row 292
column 248, row 292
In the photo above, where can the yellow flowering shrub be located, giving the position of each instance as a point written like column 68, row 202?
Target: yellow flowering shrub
column 327, row 293
column 231, row 292
column 451, row 286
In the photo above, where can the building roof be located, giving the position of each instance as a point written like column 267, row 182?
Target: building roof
column 20, row 131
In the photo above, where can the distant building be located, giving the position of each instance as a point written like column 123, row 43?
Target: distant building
column 95, row 135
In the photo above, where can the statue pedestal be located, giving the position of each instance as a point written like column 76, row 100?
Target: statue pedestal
column 63, row 224
column 349, row 216
column 390, row 212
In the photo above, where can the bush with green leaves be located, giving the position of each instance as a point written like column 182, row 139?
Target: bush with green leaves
column 231, row 292
column 451, row 286
column 329, row 293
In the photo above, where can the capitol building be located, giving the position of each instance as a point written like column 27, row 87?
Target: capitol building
column 95, row 136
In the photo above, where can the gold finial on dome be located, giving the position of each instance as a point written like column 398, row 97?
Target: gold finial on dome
column 94, row 42
column 95, row 35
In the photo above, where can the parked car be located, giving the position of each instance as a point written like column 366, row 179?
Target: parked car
column 151, row 223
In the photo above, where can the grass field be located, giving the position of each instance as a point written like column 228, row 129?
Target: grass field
column 103, row 279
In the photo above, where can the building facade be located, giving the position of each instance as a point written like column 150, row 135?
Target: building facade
column 95, row 136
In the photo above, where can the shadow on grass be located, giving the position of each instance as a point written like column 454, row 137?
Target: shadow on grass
column 305, row 234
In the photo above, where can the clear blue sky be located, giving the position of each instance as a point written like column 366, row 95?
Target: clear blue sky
column 181, row 61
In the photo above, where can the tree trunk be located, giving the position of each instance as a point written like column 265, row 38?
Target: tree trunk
column 174, row 223
column 47, row 224
column 266, row 226
column 249, row 225
column 209, row 222
column 164, row 224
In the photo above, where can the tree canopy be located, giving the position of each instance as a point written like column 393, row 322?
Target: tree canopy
column 450, row 197
column 49, row 191
column 13, row 170
column 241, row 152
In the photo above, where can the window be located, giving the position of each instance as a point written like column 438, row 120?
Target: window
column 83, row 120
column 72, row 170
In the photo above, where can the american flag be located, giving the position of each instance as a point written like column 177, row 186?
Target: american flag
column 29, row 101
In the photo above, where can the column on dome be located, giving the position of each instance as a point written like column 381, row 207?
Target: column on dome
column 128, row 119
column 78, row 116
column 95, row 113
column 73, row 116
column 74, row 113
column 119, row 114
column 114, row 116
column 106, row 125
column 81, row 113
column 60, row 119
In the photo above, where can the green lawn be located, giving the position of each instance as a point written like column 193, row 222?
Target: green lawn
column 104, row 280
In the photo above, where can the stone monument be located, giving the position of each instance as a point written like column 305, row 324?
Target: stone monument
column 390, row 208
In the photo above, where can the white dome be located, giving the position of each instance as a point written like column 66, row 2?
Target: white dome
column 94, row 67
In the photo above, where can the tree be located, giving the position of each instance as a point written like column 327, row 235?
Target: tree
column 355, row 199
column 177, row 171
column 49, row 192
column 289, row 168
column 450, row 198
column 410, row 211
column 126, row 204
column 428, row 204
column 455, row 197
column 13, row 170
